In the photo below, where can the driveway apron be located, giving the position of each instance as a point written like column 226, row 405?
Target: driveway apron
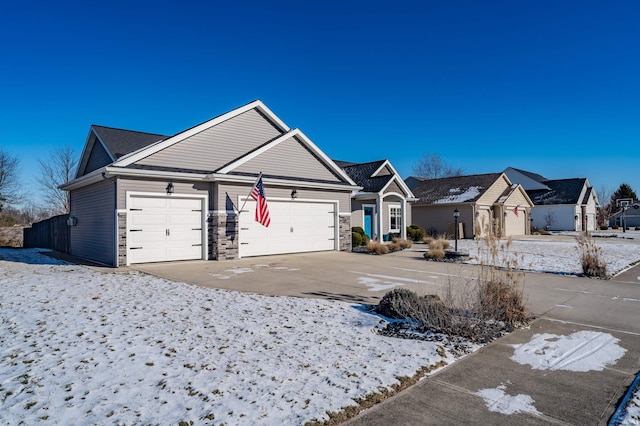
column 598, row 320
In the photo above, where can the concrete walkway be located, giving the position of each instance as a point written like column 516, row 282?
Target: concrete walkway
column 563, row 305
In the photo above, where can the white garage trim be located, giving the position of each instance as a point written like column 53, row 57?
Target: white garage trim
column 290, row 233
column 195, row 215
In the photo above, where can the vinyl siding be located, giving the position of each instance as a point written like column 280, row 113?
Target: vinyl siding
column 229, row 193
column 218, row 145
column 94, row 235
column 98, row 158
column 159, row 187
column 394, row 187
column 291, row 159
column 494, row 192
column 441, row 218
column 385, row 171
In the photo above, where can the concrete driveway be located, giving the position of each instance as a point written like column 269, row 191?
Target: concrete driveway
column 563, row 306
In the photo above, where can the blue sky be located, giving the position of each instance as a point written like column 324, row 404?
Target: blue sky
column 552, row 87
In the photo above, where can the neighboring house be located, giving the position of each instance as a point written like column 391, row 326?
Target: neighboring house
column 485, row 202
column 561, row 204
column 413, row 181
column 141, row 197
column 629, row 216
column 381, row 207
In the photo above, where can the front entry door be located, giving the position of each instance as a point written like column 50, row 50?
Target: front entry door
column 368, row 221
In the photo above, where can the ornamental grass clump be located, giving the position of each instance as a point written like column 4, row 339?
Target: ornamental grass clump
column 376, row 247
column 437, row 247
column 593, row 265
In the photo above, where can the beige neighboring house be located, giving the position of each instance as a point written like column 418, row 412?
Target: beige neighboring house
column 382, row 207
column 485, row 201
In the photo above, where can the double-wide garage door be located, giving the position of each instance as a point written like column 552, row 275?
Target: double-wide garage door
column 296, row 226
column 164, row 228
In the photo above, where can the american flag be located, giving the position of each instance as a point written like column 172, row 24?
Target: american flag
column 262, row 208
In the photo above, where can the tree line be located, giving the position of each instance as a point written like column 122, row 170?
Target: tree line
column 17, row 207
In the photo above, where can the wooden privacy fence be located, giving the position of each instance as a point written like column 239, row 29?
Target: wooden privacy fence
column 53, row 233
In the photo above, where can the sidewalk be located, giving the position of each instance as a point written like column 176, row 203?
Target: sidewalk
column 604, row 310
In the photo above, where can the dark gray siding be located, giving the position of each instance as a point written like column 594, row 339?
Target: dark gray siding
column 291, row 159
column 98, row 158
column 94, row 235
column 218, row 145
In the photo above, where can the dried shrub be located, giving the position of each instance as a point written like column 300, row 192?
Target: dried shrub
column 399, row 303
column 427, row 239
column 593, row 265
column 402, row 243
column 377, row 247
column 437, row 248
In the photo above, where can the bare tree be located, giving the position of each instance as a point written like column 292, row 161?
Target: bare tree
column 431, row 166
column 9, row 189
column 59, row 168
column 606, row 208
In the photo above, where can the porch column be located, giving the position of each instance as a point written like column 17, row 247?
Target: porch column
column 403, row 225
column 380, row 218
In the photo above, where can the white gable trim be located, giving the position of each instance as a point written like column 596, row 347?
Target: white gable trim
column 396, row 177
column 289, row 135
column 385, row 163
column 88, row 149
column 158, row 146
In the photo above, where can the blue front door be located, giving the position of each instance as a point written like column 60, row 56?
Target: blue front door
column 368, row 220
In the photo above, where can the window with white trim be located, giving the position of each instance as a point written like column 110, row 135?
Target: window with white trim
column 395, row 218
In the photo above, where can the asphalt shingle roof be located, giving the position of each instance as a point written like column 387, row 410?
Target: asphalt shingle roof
column 455, row 189
column 121, row 142
column 361, row 174
column 562, row 191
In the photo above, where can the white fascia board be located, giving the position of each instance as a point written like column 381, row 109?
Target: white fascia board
column 219, row 177
column 119, row 171
column 109, row 172
column 158, row 146
column 88, row 179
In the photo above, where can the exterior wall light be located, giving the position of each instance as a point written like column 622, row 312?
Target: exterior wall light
column 170, row 188
column 294, row 194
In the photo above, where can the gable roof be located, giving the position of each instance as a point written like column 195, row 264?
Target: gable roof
column 163, row 144
column 369, row 177
column 561, row 191
column 454, row 189
column 124, row 152
column 528, row 180
column 120, row 142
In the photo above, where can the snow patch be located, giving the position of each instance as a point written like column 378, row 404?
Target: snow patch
column 375, row 284
column 580, row 351
column 457, row 197
column 497, row 400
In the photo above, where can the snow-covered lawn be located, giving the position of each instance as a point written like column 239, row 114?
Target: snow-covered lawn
column 547, row 255
column 83, row 347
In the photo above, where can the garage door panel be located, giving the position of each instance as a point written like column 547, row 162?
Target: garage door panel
column 295, row 227
column 164, row 229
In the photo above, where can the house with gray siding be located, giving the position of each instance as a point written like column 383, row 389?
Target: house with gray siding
column 145, row 197
column 382, row 207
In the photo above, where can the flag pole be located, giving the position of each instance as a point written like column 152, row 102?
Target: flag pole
column 250, row 191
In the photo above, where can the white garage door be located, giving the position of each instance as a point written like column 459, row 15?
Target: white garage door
column 295, row 227
column 164, row 228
